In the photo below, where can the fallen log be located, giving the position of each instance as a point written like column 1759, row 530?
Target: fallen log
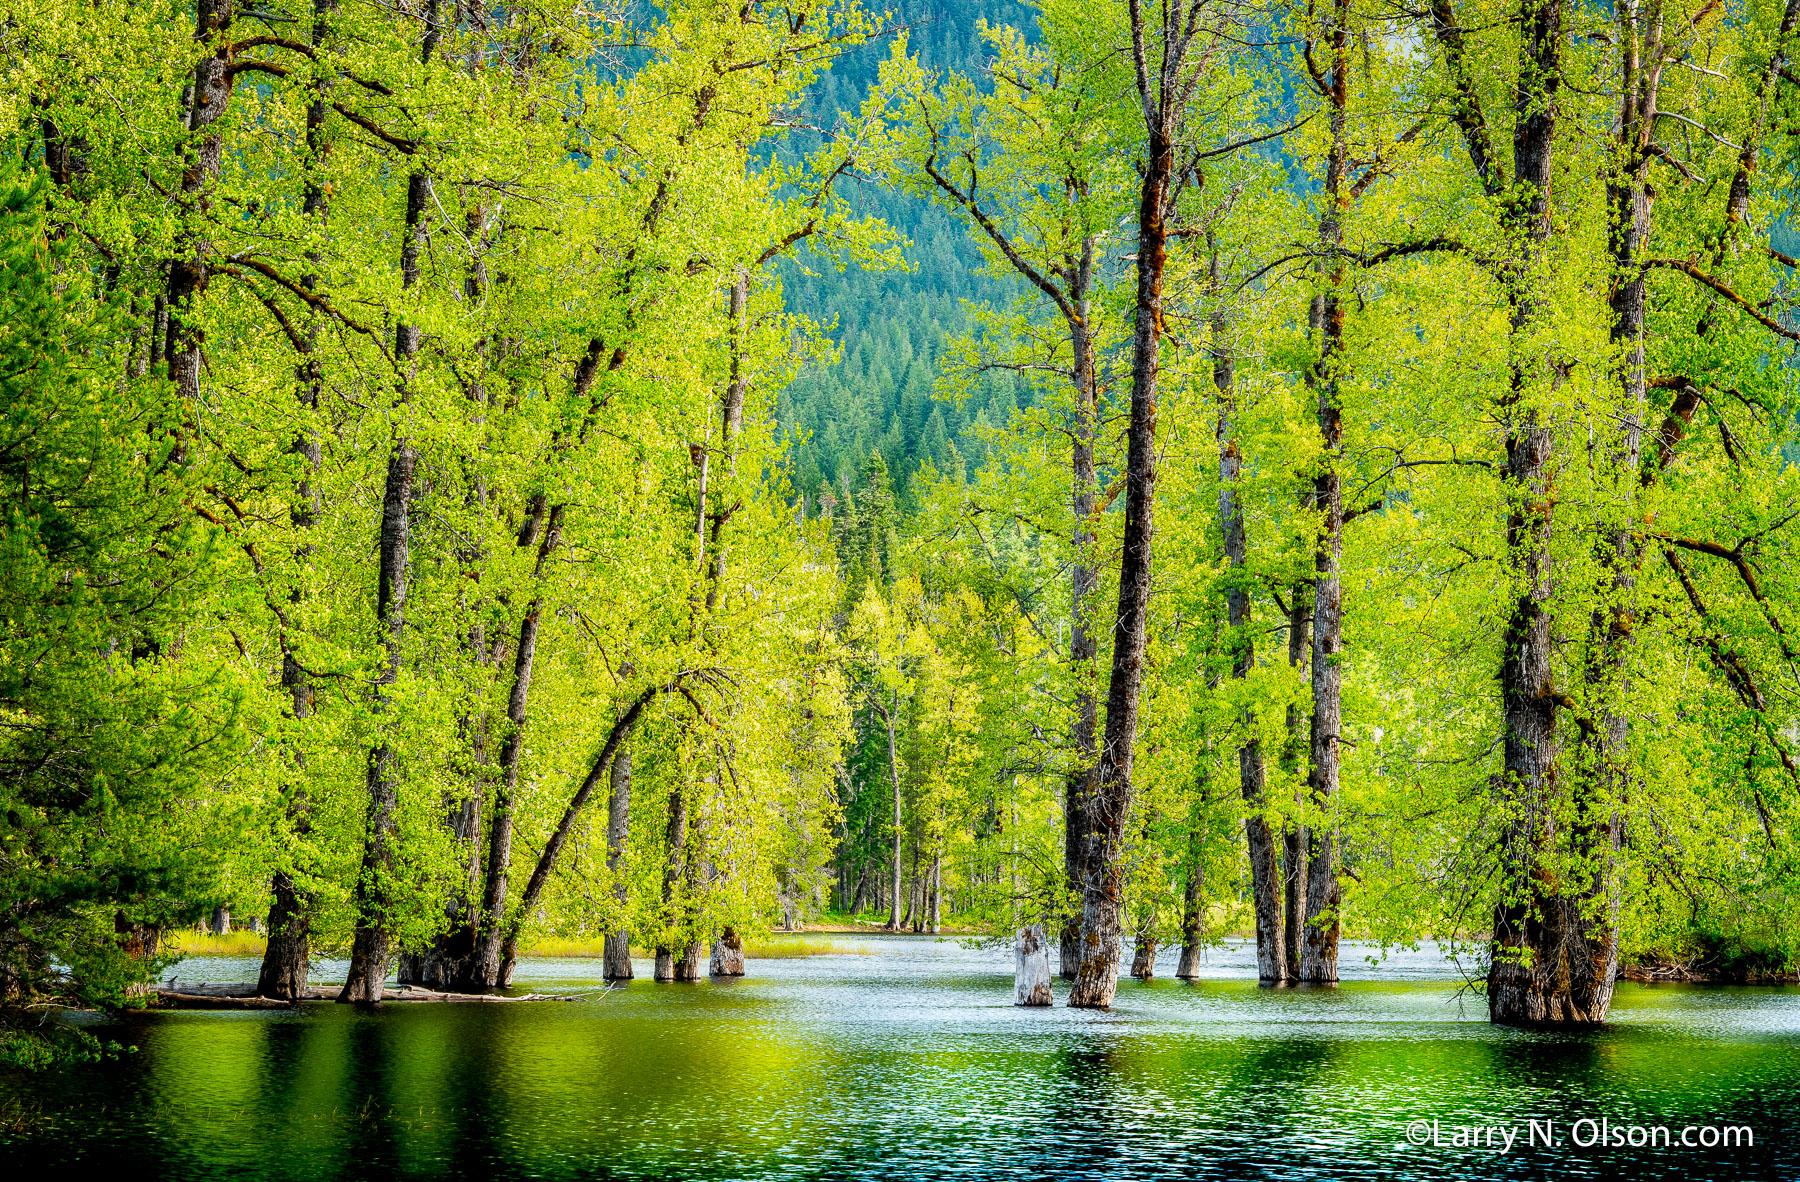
column 203, row 996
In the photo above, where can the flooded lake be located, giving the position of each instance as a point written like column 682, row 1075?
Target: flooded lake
column 908, row 1061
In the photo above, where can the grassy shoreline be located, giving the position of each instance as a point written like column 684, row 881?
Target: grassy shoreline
column 777, row 946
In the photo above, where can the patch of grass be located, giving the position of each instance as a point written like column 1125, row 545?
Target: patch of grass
column 191, row 942
column 779, row 947
column 766, row 948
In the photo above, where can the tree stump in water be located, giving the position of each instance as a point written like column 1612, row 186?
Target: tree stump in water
column 728, row 955
column 618, row 956
column 1189, row 968
column 1031, row 968
column 1143, row 962
column 687, row 964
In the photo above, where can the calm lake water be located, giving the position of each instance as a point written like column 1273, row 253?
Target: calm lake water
column 910, row 1062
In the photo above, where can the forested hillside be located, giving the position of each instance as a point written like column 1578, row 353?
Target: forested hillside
column 893, row 326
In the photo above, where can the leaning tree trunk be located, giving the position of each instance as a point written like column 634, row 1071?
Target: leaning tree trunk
column 618, row 828
column 490, row 941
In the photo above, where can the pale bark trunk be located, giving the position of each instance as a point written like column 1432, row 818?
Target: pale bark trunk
column 1031, row 968
column 935, row 921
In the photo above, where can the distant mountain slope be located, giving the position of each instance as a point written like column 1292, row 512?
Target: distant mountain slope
column 892, row 327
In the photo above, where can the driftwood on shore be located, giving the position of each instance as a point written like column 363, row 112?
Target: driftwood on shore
column 192, row 995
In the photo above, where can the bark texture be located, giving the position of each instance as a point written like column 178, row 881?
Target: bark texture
column 1031, row 967
column 727, row 955
column 1318, row 938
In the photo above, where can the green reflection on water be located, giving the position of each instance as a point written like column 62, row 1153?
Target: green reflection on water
column 910, row 1063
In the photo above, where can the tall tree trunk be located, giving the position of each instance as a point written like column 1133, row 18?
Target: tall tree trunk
column 189, row 270
column 696, row 873
column 618, row 829
column 370, row 948
column 1102, row 853
column 286, row 956
column 937, row 893
column 675, row 842
column 1084, row 579
column 1259, row 838
column 1193, row 927
column 1319, row 934
column 893, row 924
column 1554, row 958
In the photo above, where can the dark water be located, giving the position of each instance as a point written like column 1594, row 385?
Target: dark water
column 910, row 1062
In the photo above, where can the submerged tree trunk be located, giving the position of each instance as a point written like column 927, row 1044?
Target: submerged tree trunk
column 1265, row 882
column 1555, row 954
column 1143, row 961
column 370, row 948
column 1193, row 927
column 1319, row 935
column 1295, row 836
column 675, row 842
column 727, row 955
column 286, row 956
column 618, row 828
column 1031, row 968
column 1102, row 848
